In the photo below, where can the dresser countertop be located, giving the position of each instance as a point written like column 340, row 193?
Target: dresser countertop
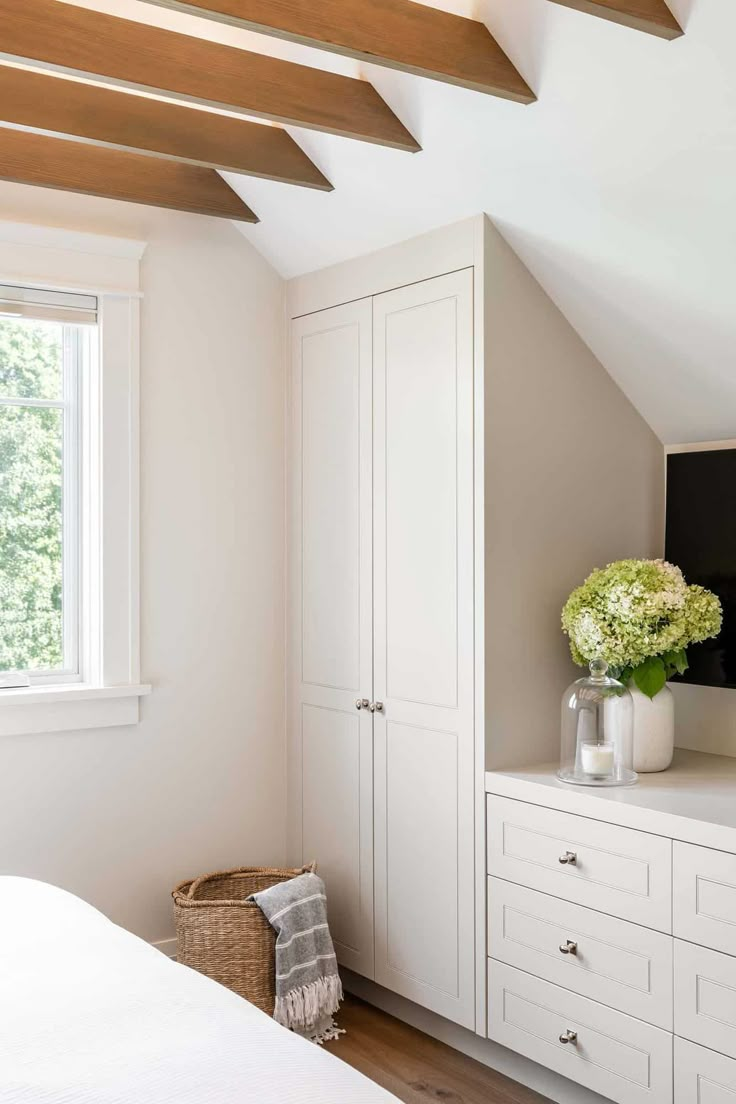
column 694, row 801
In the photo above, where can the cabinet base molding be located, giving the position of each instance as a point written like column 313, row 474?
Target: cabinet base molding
column 533, row 1076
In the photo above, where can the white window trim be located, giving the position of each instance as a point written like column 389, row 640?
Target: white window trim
column 111, row 692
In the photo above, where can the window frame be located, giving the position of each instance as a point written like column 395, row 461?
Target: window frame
column 107, row 689
column 71, row 564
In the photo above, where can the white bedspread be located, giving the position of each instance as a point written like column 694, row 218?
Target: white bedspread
column 89, row 1014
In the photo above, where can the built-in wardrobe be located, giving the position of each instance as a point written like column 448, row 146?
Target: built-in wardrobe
column 404, row 475
column 382, row 431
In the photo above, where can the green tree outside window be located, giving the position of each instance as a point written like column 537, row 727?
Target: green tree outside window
column 31, row 482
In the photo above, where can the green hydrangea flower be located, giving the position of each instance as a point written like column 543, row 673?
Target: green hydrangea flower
column 639, row 616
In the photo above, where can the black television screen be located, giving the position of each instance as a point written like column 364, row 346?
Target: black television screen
column 701, row 539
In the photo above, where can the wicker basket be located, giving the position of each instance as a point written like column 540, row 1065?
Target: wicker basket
column 226, row 937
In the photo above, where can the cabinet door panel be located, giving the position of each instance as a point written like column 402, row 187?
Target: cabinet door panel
column 421, row 805
column 330, row 603
column 705, row 896
column 423, row 643
column 420, row 494
column 702, row 1076
column 331, row 506
column 705, row 997
column 336, row 766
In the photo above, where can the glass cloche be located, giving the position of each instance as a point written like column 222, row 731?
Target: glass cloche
column 597, row 731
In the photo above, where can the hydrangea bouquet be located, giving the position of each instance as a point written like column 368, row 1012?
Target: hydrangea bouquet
column 639, row 616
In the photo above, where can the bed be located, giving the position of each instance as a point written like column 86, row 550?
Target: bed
column 90, row 1014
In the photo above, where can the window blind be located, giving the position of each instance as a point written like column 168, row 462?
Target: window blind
column 47, row 306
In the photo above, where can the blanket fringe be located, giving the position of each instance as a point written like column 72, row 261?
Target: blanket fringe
column 330, row 1033
column 303, row 1008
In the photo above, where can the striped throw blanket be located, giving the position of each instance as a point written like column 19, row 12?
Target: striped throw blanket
column 308, row 987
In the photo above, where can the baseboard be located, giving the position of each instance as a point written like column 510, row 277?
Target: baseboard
column 166, row 946
column 515, row 1066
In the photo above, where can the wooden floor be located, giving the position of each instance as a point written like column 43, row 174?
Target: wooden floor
column 416, row 1068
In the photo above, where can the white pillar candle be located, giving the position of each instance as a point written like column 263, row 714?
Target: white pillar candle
column 597, row 759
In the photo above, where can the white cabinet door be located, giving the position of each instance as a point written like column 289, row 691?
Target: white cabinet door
column 331, row 615
column 702, row 1076
column 705, row 896
column 423, row 651
column 705, row 997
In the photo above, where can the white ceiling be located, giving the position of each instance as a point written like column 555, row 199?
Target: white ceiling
column 617, row 189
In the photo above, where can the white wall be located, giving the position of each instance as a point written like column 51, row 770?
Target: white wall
column 119, row 816
column 573, row 481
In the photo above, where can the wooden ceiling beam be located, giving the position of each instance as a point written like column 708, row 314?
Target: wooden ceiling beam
column 137, row 124
column 652, row 16
column 81, row 42
column 27, row 158
column 399, row 34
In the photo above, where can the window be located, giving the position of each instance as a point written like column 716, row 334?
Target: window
column 48, row 345
column 69, row 571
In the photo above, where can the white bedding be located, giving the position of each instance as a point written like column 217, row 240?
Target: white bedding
column 90, row 1014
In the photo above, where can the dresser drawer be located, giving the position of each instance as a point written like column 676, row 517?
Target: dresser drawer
column 612, row 1054
column 612, row 961
column 611, row 869
column 704, row 886
column 705, row 997
column 702, row 1077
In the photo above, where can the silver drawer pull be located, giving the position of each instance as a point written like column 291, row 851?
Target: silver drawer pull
column 569, row 1037
column 376, row 707
column 362, row 703
column 570, row 947
column 569, row 859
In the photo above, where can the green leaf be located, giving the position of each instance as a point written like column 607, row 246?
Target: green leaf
column 650, row 676
column 676, row 662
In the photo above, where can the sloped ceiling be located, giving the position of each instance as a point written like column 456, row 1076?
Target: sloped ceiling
column 617, row 189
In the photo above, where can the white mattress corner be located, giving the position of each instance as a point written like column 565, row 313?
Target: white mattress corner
column 90, row 1014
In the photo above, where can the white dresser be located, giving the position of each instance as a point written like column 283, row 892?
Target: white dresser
column 612, row 929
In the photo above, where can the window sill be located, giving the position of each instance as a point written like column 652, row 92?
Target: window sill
column 35, row 709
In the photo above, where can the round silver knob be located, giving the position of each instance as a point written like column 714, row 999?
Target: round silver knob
column 569, row 859
column 376, row 707
column 569, row 948
column 569, row 1037
column 362, row 703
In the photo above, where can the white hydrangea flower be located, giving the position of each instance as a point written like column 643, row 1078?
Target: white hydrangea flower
column 633, row 610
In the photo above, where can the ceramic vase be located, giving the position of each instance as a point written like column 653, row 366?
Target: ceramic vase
column 654, row 730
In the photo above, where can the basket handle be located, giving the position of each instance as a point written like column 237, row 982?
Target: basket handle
column 310, row 868
column 178, row 893
column 196, row 884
